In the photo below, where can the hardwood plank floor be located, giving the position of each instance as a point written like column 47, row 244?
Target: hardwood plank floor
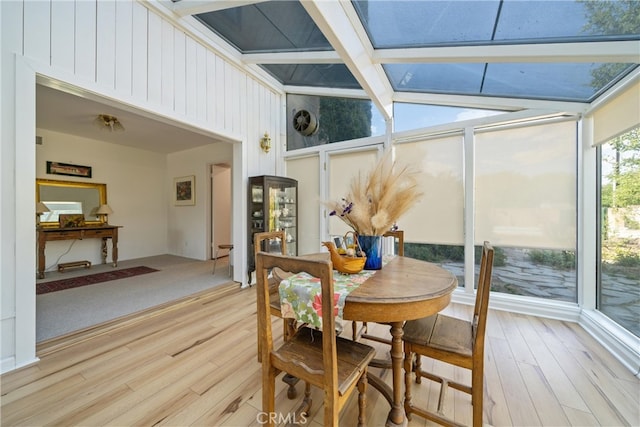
column 193, row 362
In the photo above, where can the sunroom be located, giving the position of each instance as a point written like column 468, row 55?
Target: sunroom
column 522, row 117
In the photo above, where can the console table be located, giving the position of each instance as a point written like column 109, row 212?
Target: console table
column 103, row 232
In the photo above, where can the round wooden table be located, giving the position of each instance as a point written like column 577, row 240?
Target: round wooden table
column 404, row 289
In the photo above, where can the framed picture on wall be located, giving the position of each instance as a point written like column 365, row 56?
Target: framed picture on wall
column 57, row 168
column 184, row 190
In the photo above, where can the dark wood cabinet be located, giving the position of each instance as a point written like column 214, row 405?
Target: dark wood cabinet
column 273, row 206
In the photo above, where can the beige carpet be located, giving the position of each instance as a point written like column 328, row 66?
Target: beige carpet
column 58, row 313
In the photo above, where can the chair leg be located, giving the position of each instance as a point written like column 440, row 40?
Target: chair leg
column 331, row 411
column 305, row 406
column 215, row 260
column 417, row 368
column 408, row 367
column 291, row 381
column 477, row 391
column 358, row 332
column 362, row 400
column 290, row 327
column 288, row 331
column 268, row 392
column 259, row 349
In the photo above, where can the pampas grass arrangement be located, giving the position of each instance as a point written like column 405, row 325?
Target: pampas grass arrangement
column 378, row 199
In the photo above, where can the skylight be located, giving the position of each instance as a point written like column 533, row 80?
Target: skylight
column 402, row 24
column 565, row 50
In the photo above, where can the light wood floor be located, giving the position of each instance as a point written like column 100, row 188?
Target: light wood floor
column 194, row 362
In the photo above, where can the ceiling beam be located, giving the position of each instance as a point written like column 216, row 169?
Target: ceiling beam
column 353, row 47
column 318, row 57
column 610, row 51
column 618, row 51
column 326, row 91
column 194, row 7
column 488, row 102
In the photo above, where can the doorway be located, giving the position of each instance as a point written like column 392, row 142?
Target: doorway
column 221, row 210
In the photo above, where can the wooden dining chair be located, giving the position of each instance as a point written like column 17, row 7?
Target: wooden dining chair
column 310, row 354
column 455, row 341
column 261, row 242
column 363, row 332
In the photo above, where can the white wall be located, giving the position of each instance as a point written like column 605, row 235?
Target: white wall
column 189, row 226
column 147, row 59
column 136, row 192
column 140, row 192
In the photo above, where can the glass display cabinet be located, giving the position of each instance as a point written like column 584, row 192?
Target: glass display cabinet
column 273, row 206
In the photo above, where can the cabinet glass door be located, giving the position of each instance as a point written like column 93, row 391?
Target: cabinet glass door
column 282, row 214
column 257, row 210
column 272, row 205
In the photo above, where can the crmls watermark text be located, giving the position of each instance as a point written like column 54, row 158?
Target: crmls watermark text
column 278, row 418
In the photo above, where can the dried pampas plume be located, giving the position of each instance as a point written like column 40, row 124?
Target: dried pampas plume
column 378, row 199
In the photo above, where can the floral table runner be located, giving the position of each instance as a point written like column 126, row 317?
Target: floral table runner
column 300, row 294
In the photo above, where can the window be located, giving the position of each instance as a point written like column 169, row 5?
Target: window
column 318, row 120
column 619, row 272
column 434, row 228
column 409, row 116
column 525, row 205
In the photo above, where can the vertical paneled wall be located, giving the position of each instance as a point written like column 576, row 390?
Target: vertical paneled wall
column 132, row 52
column 128, row 51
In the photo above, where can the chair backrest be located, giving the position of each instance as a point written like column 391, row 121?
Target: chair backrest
column 482, row 297
column 268, row 236
column 321, row 269
column 261, row 243
column 399, row 235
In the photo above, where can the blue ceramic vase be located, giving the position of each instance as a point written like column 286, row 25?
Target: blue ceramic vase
column 372, row 248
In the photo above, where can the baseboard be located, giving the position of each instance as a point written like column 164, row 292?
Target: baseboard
column 622, row 344
column 559, row 310
column 9, row 364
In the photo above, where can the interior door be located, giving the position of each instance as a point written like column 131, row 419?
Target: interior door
column 220, row 207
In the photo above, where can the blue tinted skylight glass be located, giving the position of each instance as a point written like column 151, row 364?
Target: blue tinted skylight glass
column 567, row 81
column 456, row 78
column 407, row 116
column 268, row 26
column 396, row 24
column 540, row 20
column 417, row 23
column 580, row 82
column 586, row 20
column 315, row 75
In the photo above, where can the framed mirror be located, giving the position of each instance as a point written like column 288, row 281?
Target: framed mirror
column 70, row 197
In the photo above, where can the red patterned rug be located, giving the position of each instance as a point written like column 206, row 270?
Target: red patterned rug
column 76, row 282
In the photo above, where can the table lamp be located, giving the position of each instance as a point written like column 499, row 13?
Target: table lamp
column 103, row 213
column 40, row 209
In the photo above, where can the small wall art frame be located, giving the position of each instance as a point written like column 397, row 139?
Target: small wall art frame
column 184, row 191
column 57, row 168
